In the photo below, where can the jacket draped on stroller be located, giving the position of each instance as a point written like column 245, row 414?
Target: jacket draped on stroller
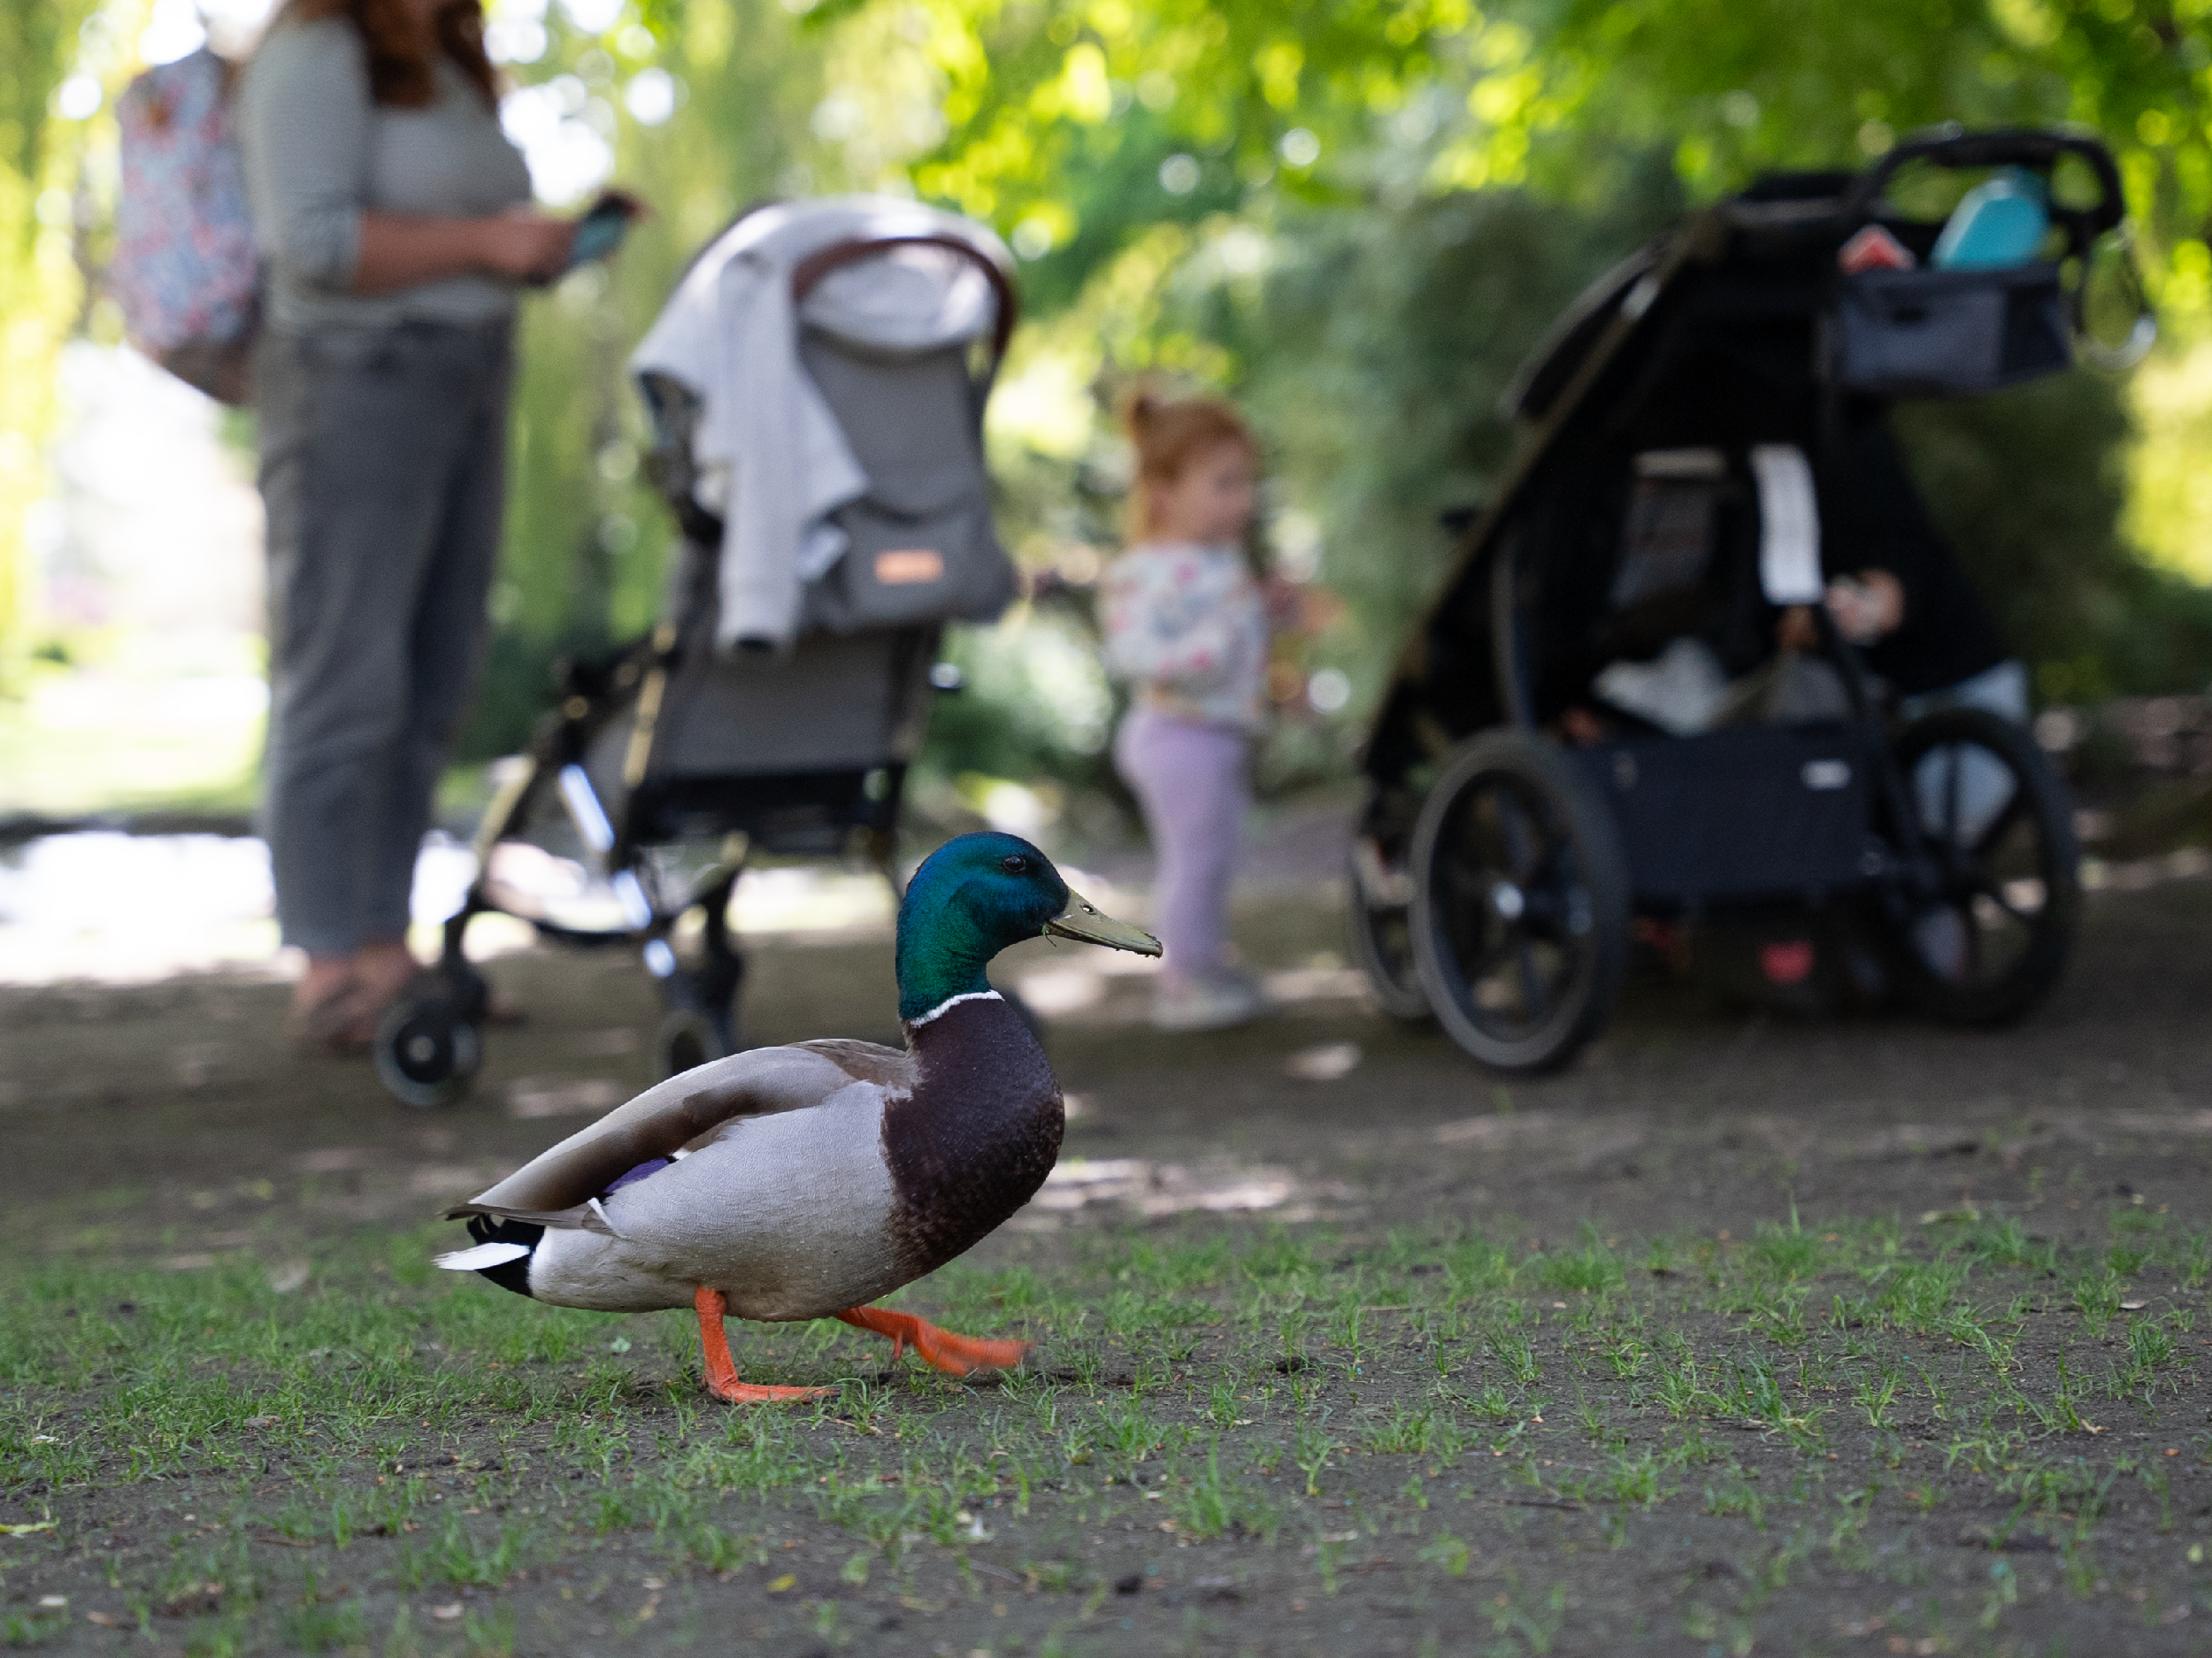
column 832, row 433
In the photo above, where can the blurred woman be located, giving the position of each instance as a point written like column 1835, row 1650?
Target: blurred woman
column 1186, row 624
column 394, row 222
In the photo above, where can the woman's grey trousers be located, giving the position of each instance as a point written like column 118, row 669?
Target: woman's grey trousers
column 383, row 457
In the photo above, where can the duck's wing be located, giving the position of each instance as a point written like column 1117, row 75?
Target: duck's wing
column 890, row 1068
column 558, row 1186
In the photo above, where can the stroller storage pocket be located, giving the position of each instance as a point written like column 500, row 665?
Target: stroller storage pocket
column 923, row 548
column 1754, row 813
column 1948, row 333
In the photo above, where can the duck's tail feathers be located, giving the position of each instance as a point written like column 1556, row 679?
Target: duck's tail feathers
column 584, row 1218
column 481, row 1255
column 501, row 1252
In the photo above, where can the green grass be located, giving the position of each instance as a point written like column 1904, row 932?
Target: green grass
column 343, row 1463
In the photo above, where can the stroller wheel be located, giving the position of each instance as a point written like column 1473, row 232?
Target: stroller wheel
column 1987, row 932
column 1381, row 895
column 425, row 1054
column 687, row 1039
column 1520, row 913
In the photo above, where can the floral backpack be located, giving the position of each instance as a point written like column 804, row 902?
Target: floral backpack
column 185, row 271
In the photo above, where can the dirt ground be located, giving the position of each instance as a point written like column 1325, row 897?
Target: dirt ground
column 1746, row 1334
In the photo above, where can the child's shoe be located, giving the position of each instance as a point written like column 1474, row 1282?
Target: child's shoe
column 1211, row 1001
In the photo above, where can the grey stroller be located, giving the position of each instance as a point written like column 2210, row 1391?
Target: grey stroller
column 666, row 766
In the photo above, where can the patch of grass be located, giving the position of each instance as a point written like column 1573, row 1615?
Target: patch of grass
column 316, row 1625
column 31, row 1629
column 457, row 1555
column 1293, row 1403
column 1590, row 1271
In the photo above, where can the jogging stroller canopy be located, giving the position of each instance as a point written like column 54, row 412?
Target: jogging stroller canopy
column 1690, row 372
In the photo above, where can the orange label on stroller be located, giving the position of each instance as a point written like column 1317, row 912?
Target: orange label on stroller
column 908, row 566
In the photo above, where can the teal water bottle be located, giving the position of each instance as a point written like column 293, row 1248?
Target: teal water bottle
column 2001, row 221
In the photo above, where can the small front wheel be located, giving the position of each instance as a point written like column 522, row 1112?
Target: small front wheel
column 1520, row 916
column 427, row 1054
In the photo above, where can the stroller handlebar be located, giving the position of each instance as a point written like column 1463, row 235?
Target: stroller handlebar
column 1948, row 146
column 813, row 268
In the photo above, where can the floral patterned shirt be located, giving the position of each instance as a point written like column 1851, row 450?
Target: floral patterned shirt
column 1185, row 625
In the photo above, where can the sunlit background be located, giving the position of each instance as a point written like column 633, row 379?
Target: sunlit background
column 1358, row 219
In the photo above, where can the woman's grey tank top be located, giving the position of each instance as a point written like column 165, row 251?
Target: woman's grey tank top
column 318, row 150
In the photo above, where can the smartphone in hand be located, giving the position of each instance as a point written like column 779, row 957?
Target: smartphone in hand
column 601, row 230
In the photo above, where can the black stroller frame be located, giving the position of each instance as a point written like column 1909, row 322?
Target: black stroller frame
column 1497, row 870
column 603, row 751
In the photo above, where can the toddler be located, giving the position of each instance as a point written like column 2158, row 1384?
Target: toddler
column 1186, row 624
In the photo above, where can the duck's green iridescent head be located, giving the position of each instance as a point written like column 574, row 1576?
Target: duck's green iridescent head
column 974, row 896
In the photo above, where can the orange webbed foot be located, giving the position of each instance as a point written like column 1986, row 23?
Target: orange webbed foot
column 733, row 1392
column 940, row 1349
column 722, row 1370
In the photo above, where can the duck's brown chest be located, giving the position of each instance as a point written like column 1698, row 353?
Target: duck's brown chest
column 975, row 1139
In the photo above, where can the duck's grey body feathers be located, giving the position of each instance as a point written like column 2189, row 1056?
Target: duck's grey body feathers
column 867, row 1062
column 786, row 1214
column 812, row 1178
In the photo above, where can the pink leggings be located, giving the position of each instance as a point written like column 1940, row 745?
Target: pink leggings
column 1190, row 779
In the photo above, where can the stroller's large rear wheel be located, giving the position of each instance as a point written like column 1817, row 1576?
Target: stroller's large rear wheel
column 1987, row 930
column 1521, row 909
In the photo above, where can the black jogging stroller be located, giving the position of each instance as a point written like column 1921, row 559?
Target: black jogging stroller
column 1696, row 434
column 666, row 766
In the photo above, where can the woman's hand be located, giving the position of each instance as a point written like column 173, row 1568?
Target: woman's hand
column 525, row 245
column 1868, row 606
column 1298, row 608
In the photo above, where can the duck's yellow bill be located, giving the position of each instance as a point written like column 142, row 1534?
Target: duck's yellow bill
column 1084, row 920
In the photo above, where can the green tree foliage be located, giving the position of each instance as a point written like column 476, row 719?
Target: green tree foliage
column 2029, row 486
column 1040, row 98
column 40, row 292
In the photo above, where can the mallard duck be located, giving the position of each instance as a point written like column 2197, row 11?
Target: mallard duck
column 808, row 1180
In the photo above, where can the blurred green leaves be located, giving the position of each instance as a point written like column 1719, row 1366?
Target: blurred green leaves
column 1303, row 98
column 40, row 288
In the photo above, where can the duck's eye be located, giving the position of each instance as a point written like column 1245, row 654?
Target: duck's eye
column 1014, row 863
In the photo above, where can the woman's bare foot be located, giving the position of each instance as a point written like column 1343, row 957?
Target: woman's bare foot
column 327, row 1004
column 385, row 968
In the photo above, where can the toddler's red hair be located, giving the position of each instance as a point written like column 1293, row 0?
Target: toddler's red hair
column 1167, row 437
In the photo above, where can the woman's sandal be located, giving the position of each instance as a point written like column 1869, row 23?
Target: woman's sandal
column 340, row 1021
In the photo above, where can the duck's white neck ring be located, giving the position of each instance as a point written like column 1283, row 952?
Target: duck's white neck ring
column 953, row 1002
